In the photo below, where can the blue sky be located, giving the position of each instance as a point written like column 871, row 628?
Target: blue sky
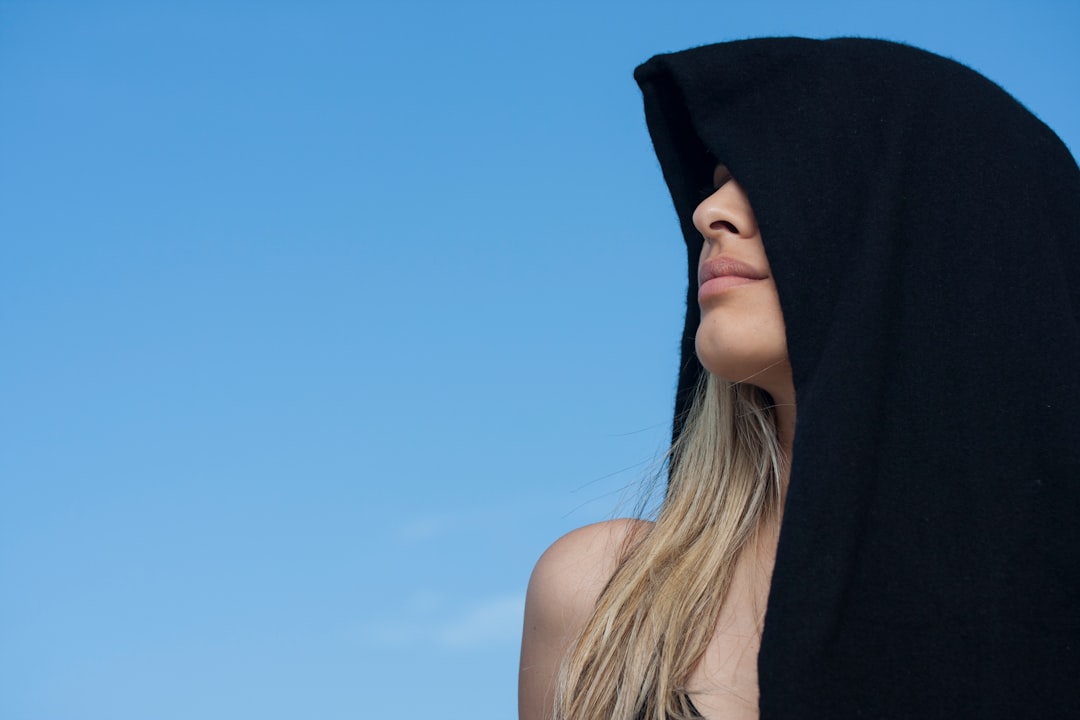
column 321, row 320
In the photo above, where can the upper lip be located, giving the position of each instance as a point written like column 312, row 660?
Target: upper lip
column 722, row 266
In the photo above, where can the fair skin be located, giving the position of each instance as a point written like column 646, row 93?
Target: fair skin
column 741, row 338
column 741, row 335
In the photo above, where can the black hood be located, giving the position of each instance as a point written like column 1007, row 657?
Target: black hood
column 923, row 229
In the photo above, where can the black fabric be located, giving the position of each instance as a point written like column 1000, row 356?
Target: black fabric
column 923, row 230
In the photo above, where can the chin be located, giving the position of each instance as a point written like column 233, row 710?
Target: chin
column 764, row 367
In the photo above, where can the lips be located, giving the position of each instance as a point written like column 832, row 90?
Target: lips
column 722, row 267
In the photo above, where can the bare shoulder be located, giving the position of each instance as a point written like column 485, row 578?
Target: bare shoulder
column 563, row 590
column 571, row 574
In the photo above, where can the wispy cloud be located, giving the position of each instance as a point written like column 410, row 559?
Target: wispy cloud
column 419, row 529
column 395, row 635
column 495, row 620
column 424, row 617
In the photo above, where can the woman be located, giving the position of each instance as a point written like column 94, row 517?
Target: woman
column 907, row 274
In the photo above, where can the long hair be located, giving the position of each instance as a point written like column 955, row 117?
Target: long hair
column 656, row 616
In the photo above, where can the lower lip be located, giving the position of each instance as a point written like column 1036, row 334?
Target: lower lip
column 722, row 283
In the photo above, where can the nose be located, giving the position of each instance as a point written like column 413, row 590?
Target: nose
column 726, row 212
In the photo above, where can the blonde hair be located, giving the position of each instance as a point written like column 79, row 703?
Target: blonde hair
column 656, row 616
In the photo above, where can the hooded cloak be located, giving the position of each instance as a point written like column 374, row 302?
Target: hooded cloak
column 923, row 230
